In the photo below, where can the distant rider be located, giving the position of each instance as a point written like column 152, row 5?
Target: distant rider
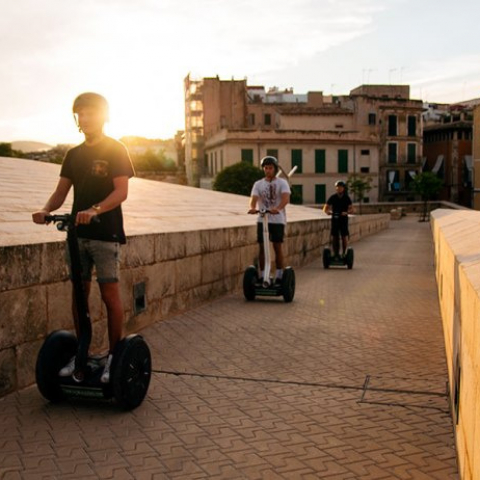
column 339, row 205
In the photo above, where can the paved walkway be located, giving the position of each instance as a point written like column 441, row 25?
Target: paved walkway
column 346, row 382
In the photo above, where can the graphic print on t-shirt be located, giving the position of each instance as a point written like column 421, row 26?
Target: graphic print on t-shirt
column 99, row 168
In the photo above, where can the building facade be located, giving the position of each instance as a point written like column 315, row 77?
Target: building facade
column 374, row 132
column 447, row 149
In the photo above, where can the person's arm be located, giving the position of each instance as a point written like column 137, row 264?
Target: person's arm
column 327, row 208
column 253, row 204
column 350, row 209
column 118, row 195
column 55, row 201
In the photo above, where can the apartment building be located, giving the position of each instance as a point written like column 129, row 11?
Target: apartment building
column 374, row 131
column 447, row 149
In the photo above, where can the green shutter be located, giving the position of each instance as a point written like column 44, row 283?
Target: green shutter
column 297, row 194
column 247, row 156
column 319, row 161
column 412, row 126
column 272, row 152
column 320, row 193
column 392, row 153
column 343, row 161
column 411, row 152
column 297, row 160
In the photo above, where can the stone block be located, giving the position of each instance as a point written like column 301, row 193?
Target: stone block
column 46, row 263
column 170, row 246
column 139, row 251
column 26, row 360
column 188, row 273
column 212, row 267
column 8, row 371
column 23, row 316
column 240, row 236
column 59, row 309
column 214, row 240
column 193, row 244
column 232, row 262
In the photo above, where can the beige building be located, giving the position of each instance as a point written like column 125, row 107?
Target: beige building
column 374, row 131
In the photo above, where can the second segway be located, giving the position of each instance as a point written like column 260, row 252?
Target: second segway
column 267, row 287
column 337, row 260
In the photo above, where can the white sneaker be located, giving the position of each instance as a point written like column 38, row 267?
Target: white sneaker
column 68, row 369
column 105, row 378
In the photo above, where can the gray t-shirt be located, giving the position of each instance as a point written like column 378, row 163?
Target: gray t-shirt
column 269, row 196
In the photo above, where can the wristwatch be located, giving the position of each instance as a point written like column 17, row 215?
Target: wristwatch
column 97, row 208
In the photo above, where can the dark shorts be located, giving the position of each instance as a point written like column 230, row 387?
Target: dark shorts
column 276, row 232
column 340, row 227
column 104, row 255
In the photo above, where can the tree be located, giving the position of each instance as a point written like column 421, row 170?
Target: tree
column 6, row 150
column 427, row 185
column 359, row 185
column 238, row 178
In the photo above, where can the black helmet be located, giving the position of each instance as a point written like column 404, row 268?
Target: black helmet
column 90, row 99
column 269, row 160
column 340, row 183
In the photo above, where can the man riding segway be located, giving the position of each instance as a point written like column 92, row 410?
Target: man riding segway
column 339, row 206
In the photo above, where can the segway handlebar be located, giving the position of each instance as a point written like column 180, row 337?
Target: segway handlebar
column 65, row 220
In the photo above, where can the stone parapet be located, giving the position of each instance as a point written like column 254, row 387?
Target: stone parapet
column 162, row 274
column 457, row 256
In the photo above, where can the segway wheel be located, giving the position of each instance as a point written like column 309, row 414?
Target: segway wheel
column 349, row 258
column 288, row 284
column 131, row 372
column 57, row 349
column 326, row 257
column 250, row 277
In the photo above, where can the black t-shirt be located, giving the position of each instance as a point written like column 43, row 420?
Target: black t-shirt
column 91, row 171
column 339, row 203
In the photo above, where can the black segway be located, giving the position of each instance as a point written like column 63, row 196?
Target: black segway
column 131, row 367
column 268, row 287
column 340, row 260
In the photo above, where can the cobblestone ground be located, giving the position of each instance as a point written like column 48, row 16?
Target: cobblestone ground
column 346, row 382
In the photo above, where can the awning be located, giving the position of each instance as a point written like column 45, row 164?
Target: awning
column 438, row 164
column 469, row 162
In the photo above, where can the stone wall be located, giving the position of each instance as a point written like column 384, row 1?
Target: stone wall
column 457, row 254
column 162, row 274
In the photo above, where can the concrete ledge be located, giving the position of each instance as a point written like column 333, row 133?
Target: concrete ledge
column 457, row 255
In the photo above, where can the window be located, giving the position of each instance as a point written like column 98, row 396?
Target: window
column 412, row 126
column 364, row 152
column 247, row 156
column 251, row 119
column 272, row 152
column 372, row 118
column 392, row 125
column 411, row 152
column 297, row 194
column 319, row 161
column 320, row 194
column 393, row 177
column 267, row 119
column 343, row 161
column 297, row 160
column 364, row 169
column 392, row 153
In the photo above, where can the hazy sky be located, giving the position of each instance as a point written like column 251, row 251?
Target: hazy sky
column 137, row 53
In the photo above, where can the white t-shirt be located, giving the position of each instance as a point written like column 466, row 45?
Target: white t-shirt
column 270, row 196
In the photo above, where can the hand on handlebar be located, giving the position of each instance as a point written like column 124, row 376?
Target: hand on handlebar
column 39, row 217
column 85, row 217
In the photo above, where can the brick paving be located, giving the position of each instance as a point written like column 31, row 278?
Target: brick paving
column 346, row 382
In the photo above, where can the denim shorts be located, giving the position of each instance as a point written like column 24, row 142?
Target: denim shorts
column 105, row 256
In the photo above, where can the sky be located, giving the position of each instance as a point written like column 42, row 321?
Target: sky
column 137, row 54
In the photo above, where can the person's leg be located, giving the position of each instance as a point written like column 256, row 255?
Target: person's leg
column 113, row 302
column 278, row 231
column 344, row 244
column 336, row 244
